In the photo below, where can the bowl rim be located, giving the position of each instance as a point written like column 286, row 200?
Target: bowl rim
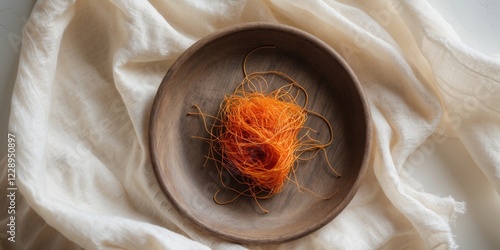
column 226, row 32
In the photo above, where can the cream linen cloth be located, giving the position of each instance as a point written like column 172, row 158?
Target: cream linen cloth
column 89, row 70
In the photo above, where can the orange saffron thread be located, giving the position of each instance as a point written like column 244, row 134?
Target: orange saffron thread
column 255, row 136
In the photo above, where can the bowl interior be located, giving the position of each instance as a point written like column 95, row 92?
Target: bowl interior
column 211, row 69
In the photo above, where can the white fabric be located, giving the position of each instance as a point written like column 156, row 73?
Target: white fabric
column 89, row 70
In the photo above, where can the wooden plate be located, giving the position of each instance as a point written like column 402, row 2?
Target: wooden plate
column 211, row 68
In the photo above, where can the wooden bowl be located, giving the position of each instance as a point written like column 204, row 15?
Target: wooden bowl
column 211, row 68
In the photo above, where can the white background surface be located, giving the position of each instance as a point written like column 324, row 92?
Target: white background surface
column 447, row 168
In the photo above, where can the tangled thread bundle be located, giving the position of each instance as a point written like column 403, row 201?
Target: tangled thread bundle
column 256, row 136
column 259, row 138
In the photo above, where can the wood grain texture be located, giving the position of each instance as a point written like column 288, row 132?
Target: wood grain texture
column 211, row 68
